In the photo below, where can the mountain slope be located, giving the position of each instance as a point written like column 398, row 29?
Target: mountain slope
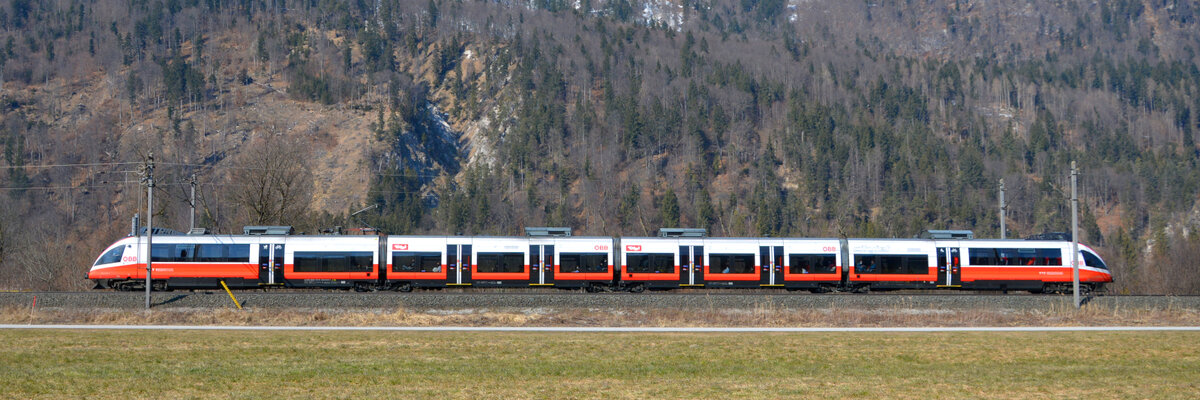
column 777, row 118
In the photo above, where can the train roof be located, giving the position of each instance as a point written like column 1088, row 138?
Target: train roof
column 968, row 242
column 725, row 238
column 501, row 237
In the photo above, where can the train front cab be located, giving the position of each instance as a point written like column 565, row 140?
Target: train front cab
column 1027, row 265
column 116, row 265
column 180, row 262
column 1093, row 271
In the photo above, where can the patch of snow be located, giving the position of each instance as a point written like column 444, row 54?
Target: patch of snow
column 667, row 12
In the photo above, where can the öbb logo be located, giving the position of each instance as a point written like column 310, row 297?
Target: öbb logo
column 633, row 247
column 399, row 247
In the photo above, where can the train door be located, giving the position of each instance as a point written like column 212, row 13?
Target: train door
column 949, row 267
column 770, row 261
column 464, row 273
column 541, row 264
column 458, row 264
column 691, row 265
column 270, row 264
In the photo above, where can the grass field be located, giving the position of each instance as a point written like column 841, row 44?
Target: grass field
column 251, row 364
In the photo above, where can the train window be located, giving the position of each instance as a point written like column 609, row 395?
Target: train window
column 1049, row 257
column 1092, row 260
column 1017, row 257
column 210, row 253
column 731, row 263
column 223, row 253
column 812, row 263
column 982, row 256
column 1026, row 256
column 653, row 263
column 112, row 256
column 918, row 265
column 1007, row 257
column 500, row 262
column 427, row 261
column 159, row 252
column 583, row 262
column 333, row 261
column 183, row 252
column 238, row 253
column 173, row 252
column 891, row 264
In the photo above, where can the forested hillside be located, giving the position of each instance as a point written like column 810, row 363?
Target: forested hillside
column 780, row 117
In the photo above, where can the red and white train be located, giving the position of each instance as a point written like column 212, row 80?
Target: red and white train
column 594, row 263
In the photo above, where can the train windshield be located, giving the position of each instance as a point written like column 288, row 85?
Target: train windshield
column 111, row 256
column 1092, row 260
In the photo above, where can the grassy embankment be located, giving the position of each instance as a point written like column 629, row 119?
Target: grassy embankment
column 762, row 315
column 254, row 364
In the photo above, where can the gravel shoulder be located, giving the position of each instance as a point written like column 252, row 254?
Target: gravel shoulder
column 426, row 301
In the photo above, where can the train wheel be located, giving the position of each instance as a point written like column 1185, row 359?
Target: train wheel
column 1055, row 288
column 637, row 288
column 160, row 286
column 404, row 287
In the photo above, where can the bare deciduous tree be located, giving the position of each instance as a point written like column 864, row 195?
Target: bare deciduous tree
column 272, row 183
